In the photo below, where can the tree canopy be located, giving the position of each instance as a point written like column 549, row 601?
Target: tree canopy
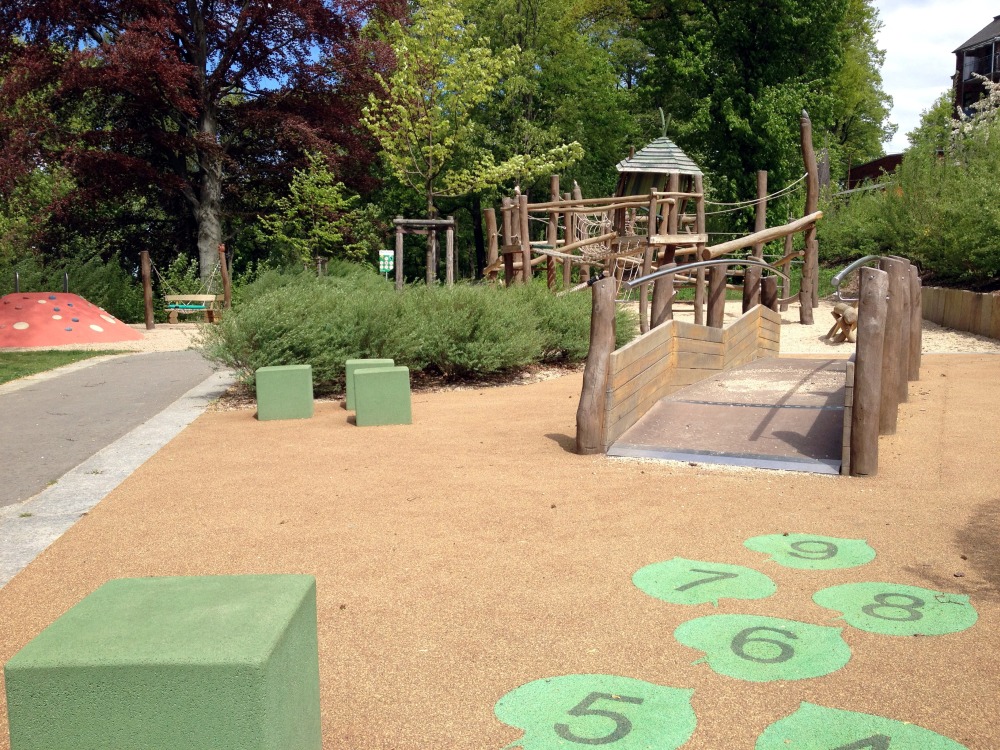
column 164, row 98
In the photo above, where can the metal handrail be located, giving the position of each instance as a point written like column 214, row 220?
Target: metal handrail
column 839, row 277
column 702, row 264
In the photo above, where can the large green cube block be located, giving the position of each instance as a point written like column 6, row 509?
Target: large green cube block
column 284, row 392
column 352, row 366
column 195, row 663
column 382, row 396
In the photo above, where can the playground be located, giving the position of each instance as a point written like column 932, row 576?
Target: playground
column 473, row 552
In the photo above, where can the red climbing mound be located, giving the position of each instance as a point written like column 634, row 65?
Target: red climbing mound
column 46, row 319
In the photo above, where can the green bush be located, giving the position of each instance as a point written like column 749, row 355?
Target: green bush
column 460, row 331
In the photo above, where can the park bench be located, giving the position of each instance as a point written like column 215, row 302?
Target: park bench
column 186, row 304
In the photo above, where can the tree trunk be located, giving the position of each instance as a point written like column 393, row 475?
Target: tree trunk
column 477, row 234
column 208, row 211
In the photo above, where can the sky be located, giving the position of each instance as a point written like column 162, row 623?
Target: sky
column 918, row 37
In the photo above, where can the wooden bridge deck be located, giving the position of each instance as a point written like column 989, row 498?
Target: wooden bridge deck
column 771, row 414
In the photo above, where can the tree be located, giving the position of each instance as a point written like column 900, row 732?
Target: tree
column 425, row 116
column 318, row 218
column 735, row 75
column 202, row 100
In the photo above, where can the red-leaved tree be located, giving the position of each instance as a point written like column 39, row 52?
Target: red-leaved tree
column 200, row 98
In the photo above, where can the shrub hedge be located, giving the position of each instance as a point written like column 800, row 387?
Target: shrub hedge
column 460, row 331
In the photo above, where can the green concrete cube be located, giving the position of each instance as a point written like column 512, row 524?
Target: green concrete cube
column 284, row 392
column 352, row 366
column 382, row 396
column 187, row 663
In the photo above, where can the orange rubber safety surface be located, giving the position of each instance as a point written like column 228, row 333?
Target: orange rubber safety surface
column 46, row 319
column 472, row 552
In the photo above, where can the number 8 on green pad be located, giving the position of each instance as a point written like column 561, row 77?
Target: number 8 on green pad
column 894, row 609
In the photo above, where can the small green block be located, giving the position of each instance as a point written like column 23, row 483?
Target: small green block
column 382, row 396
column 199, row 663
column 284, row 392
column 352, row 366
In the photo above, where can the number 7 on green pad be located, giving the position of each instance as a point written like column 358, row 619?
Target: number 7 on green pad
column 683, row 581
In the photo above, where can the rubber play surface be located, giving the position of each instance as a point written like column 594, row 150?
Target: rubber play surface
column 482, row 587
column 45, row 319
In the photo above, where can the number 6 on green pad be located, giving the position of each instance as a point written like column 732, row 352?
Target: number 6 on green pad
column 581, row 710
column 763, row 649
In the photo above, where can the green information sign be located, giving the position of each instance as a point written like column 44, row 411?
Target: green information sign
column 894, row 609
column 762, row 649
column 587, row 710
column 812, row 552
column 814, row 727
column 683, row 581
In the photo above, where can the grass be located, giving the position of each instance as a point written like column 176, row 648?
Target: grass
column 14, row 365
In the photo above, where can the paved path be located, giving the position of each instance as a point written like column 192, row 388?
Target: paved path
column 72, row 436
column 52, row 425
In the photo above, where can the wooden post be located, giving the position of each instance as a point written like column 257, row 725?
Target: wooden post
column 524, row 231
column 590, row 412
column 786, row 283
column 492, row 244
column 700, row 228
column 507, row 212
column 431, row 256
column 147, row 288
column 552, row 234
column 227, row 289
column 894, row 358
column 449, row 252
column 647, row 266
column 661, row 313
column 578, row 196
column 904, row 334
column 398, row 260
column 569, row 235
column 716, row 296
column 916, row 323
column 751, row 276
column 810, row 268
column 866, row 408
column 768, row 292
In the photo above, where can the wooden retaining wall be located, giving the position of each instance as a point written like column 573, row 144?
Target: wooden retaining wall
column 963, row 311
column 676, row 354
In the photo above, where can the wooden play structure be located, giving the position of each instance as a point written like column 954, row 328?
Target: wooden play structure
column 428, row 228
column 656, row 220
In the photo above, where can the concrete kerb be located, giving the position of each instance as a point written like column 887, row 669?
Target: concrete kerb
column 54, row 510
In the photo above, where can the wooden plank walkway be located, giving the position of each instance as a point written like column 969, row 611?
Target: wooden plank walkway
column 770, row 414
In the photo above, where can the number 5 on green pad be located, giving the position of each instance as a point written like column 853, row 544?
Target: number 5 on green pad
column 598, row 710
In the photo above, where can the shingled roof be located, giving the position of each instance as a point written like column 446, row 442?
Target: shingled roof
column 659, row 157
column 987, row 34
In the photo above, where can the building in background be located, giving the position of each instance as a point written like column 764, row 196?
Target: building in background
column 979, row 54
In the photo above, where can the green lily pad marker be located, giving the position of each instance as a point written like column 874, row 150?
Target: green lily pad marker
column 894, row 609
column 814, row 727
column 763, row 649
column 683, row 581
column 580, row 710
column 811, row 552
